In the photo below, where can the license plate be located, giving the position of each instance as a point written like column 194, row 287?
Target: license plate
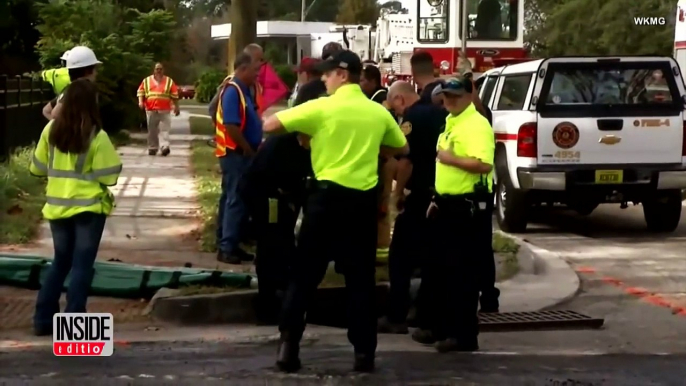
column 609, row 176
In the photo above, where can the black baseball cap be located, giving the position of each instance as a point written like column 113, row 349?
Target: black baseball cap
column 345, row 60
column 331, row 48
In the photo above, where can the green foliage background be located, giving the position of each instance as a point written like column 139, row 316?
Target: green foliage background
column 207, row 85
column 127, row 41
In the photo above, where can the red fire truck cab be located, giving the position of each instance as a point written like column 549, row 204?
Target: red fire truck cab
column 495, row 33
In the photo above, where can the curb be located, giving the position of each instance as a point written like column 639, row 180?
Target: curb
column 546, row 280
column 239, row 307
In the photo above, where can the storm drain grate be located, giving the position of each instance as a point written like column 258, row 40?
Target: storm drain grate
column 539, row 320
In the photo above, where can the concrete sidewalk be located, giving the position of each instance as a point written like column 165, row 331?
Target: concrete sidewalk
column 156, row 209
column 154, row 223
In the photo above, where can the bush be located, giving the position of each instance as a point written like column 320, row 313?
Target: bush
column 287, row 75
column 127, row 41
column 207, row 85
column 21, row 199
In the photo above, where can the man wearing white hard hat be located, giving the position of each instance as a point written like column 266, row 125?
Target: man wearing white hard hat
column 81, row 64
column 58, row 79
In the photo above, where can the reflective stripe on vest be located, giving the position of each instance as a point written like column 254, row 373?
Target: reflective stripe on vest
column 77, row 174
column 222, row 138
column 377, row 93
column 156, row 94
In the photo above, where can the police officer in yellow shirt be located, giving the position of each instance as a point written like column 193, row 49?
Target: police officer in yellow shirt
column 348, row 132
column 464, row 167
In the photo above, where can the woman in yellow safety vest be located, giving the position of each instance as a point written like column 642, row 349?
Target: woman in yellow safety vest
column 80, row 162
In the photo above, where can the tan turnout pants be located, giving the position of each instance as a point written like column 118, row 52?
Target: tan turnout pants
column 159, row 124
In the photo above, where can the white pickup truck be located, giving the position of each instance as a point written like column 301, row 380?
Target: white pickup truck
column 584, row 131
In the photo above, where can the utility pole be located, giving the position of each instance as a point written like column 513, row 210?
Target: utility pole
column 303, row 10
column 243, row 28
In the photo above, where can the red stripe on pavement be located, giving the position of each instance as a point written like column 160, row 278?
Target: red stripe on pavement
column 640, row 293
column 505, row 137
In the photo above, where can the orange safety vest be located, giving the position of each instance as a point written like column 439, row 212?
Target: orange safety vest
column 158, row 96
column 221, row 136
column 257, row 94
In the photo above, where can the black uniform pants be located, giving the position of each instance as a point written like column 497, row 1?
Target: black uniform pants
column 408, row 252
column 487, row 275
column 339, row 224
column 275, row 218
column 454, row 236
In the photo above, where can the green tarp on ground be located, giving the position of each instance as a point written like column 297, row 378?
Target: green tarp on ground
column 117, row 279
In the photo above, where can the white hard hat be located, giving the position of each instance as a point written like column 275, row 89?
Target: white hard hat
column 80, row 57
column 65, row 55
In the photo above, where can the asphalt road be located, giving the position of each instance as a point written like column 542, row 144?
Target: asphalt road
column 203, row 363
column 631, row 278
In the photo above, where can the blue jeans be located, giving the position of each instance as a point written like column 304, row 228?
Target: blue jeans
column 76, row 241
column 232, row 209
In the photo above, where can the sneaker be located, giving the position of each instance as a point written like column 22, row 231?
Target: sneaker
column 423, row 336
column 243, row 255
column 385, row 326
column 165, row 151
column 450, row 345
column 228, row 258
column 152, row 151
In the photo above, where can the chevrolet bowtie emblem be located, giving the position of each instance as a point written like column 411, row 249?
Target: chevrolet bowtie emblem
column 610, row 140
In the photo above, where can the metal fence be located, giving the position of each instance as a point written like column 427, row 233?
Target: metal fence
column 21, row 119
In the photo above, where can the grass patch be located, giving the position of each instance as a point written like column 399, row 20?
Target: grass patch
column 506, row 250
column 22, row 197
column 190, row 102
column 504, row 244
column 205, row 290
column 123, row 138
column 208, row 183
column 201, row 125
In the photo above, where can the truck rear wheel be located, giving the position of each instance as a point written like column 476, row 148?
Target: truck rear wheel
column 511, row 204
column 662, row 211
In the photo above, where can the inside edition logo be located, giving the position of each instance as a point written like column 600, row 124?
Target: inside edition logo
column 83, row 335
column 650, row 21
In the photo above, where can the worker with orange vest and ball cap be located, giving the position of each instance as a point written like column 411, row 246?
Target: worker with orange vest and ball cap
column 158, row 95
column 238, row 134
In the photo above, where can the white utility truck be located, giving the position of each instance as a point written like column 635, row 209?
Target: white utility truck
column 584, row 131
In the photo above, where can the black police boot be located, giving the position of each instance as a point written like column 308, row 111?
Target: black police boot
column 423, row 336
column 228, row 258
column 385, row 326
column 364, row 363
column 287, row 357
column 165, row 151
column 451, row 344
column 489, row 301
column 152, row 151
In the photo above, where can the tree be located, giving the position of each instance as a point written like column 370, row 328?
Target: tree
column 592, row 27
column 358, row 12
column 394, row 6
column 127, row 41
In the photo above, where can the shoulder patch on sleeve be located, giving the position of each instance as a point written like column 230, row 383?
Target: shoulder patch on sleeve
column 406, row 127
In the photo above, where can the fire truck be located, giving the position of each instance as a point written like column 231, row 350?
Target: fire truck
column 494, row 31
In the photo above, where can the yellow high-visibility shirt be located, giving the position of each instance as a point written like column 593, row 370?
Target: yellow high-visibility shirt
column 77, row 183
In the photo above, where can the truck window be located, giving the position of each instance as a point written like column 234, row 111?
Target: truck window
column 432, row 23
column 513, row 93
column 625, row 87
column 492, row 20
column 488, row 88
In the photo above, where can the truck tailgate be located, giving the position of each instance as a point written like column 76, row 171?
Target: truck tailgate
column 625, row 110
column 610, row 140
